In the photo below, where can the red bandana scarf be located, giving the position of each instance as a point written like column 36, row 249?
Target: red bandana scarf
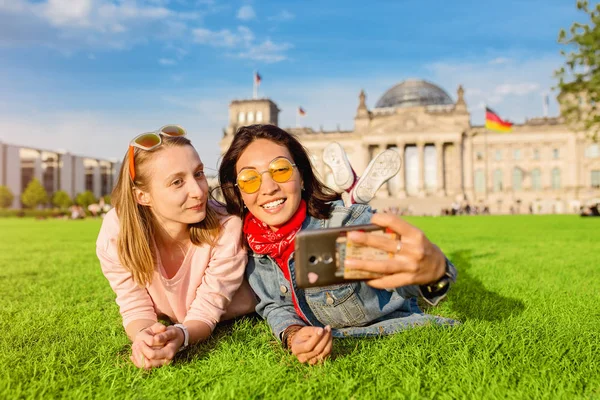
column 280, row 244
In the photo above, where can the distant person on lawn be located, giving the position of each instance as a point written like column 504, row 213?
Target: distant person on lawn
column 169, row 252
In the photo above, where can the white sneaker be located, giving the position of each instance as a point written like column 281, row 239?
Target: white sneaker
column 335, row 158
column 383, row 167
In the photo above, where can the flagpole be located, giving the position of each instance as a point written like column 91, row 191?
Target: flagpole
column 254, row 87
column 297, row 119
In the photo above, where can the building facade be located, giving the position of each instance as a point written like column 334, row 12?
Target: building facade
column 542, row 166
column 55, row 170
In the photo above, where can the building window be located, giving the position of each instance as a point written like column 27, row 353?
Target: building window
column 498, row 155
column 556, row 178
column 536, row 154
column 479, row 181
column 250, row 116
column 592, row 151
column 498, row 180
column 89, row 179
column 536, row 179
column 259, row 116
column 596, row 178
column 517, row 154
column 555, row 154
column 517, row 179
column 241, row 117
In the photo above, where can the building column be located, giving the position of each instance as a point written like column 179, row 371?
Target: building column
column 441, row 186
column 402, row 174
column 421, row 153
column 38, row 171
column 97, row 180
column 2, row 166
column 467, row 157
column 12, row 173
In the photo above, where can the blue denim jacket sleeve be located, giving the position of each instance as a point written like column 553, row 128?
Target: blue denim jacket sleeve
column 277, row 310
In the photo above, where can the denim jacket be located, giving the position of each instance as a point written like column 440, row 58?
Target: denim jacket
column 351, row 309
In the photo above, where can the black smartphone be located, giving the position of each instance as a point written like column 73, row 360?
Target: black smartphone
column 319, row 255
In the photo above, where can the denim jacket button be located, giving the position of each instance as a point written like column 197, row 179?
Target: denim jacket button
column 283, row 289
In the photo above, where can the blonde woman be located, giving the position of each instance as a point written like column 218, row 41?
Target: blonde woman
column 169, row 252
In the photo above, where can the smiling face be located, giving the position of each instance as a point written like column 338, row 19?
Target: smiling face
column 178, row 189
column 274, row 203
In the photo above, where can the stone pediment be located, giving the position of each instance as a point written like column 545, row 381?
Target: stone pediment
column 417, row 122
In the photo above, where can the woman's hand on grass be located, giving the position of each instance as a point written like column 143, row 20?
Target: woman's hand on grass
column 312, row 344
column 155, row 346
column 416, row 262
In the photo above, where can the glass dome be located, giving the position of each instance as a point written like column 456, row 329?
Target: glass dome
column 412, row 93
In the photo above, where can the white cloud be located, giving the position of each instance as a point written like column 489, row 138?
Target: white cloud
column 167, row 61
column 67, row 12
column 222, row 38
column 267, row 51
column 499, row 60
column 69, row 25
column 246, row 13
column 243, row 40
column 515, row 87
column 282, row 16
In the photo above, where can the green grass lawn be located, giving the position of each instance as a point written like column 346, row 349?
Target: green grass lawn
column 528, row 295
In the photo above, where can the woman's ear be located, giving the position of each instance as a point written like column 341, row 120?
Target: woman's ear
column 141, row 197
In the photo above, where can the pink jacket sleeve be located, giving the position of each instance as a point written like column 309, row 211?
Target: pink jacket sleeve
column 134, row 301
column 222, row 277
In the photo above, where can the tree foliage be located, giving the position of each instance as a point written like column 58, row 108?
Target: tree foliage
column 61, row 199
column 579, row 78
column 34, row 194
column 6, row 197
column 86, row 198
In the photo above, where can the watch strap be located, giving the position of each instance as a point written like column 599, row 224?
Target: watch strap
column 186, row 336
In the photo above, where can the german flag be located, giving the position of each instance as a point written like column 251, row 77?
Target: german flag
column 494, row 123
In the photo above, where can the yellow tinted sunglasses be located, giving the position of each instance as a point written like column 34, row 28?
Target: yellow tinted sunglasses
column 250, row 179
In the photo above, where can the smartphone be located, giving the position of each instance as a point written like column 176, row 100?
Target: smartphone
column 319, row 255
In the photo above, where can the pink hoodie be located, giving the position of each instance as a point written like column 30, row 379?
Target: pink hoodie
column 201, row 290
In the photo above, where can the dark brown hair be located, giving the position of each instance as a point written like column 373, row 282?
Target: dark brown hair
column 315, row 193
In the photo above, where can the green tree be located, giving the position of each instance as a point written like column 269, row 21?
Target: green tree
column 579, row 79
column 107, row 199
column 61, row 199
column 34, row 194
column 6, row 197
column 85, row 199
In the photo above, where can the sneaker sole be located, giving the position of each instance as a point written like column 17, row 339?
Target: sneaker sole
column 335, row 158
column 383, row 167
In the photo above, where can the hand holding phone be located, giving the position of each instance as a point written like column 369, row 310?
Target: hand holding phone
column 320, row 255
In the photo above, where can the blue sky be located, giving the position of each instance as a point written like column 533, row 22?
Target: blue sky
column 87, row 75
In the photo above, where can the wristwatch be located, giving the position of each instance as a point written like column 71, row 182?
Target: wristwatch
column 186, row 336
column 440, row 286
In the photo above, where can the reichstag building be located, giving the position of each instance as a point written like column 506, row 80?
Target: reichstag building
column 542, row 166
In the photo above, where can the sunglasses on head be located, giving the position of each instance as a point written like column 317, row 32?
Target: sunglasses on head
column 150, row 141
column 250, row 179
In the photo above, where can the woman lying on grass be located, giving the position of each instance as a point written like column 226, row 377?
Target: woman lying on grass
column 167, row 251
column 267, row 180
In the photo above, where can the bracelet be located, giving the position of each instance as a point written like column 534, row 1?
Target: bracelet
column 186, row 336
column 288, row 334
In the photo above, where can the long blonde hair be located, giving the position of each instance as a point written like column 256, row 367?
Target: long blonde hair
column 137, row 224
